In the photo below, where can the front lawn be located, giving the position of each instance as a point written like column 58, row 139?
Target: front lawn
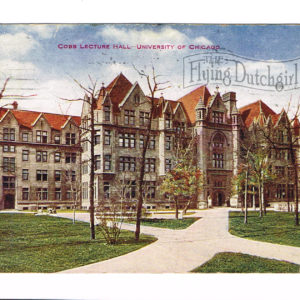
column 169, row 223
column 228, row 262
column 45, row 244
column 275, row 227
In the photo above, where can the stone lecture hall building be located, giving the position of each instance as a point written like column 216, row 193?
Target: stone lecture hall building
column 44, row 155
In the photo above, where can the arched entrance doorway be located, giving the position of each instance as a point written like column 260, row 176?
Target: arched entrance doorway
column 9, row 201
column 219, row 199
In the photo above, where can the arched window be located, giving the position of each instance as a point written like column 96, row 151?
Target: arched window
column 218, row 141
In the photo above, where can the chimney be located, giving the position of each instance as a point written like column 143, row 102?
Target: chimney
column 15, row 105
column 102, row 90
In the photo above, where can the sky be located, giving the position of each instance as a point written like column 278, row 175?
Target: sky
column 39, row 61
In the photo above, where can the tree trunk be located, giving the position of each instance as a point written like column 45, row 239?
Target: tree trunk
column 246, row 196
column 92, row 173
column 176, row 208
column 186, row 207
column 142, row 174
column 263, row 198
column 253, row 199
column 260, row 201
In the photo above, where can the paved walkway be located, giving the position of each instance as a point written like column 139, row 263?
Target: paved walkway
column 180, row 251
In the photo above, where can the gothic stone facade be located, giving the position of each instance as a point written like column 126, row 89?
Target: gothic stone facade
column 40, row 159
column 121, row 117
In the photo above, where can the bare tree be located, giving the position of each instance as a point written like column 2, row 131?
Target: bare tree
column 154, row 86
column 90, row 99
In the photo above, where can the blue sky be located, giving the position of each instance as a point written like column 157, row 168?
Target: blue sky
column 31, row 52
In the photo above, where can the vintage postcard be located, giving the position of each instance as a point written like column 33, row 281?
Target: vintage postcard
column 146, row 148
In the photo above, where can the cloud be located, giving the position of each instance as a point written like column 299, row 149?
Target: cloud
column 16, row 45
column 133, row 36
column 43, row 31
column 202, row 40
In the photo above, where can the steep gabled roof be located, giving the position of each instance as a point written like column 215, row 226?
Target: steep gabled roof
column 252, row 111
column 27, row 118
column 117, row 90
column 190, row 100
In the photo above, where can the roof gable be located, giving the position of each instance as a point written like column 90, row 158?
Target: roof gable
column 190, row 100
column 117, row 90
column 252, row 111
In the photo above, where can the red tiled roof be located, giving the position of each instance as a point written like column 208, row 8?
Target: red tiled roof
column 190, row 100
column 296, row 126
column 117, row 90
column 252, row 111
column 27, row 118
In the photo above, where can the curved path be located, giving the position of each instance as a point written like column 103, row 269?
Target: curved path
column 180, row 251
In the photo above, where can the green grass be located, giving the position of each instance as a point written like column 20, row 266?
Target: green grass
column 275, row 227
column 169, row 223
column 45, row 244
column 228, row 262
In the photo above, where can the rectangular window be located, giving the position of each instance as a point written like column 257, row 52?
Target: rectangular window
column 57, row 157
column 150, row 188
column 41, row 175
column 127, row 163
column 218, row 117
column 85, row 190
column 129, row 117
column 57, row 139
column 152, row 142
column 8, row 182
column 70, row 158
column 168, row 121
column 106, row 189
column 41, row 136
column 150, row 165
column 144, row 118
column 9, row 148
column 41, row 156
column 107, row 162
column 107, row 137
column 279, row 171
column 127, row 140
column 70, row 138
column 57, row 175
column 25, row 136
column 85, row 168
column 25, row 193
column 57, row 193
column 168, row 141
column 168, row 165
column 97, row 137
column 25, row 174
column 25, row 155
column 8, row 164
column 42, row 194
column 280, row 191
column 9, row 134
column 71, row 175
column 97, row 162
column 106, row 113
column 218, row 160
column 291, row 191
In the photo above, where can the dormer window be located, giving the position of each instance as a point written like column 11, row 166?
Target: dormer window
column 168, row 121
column 129, row 117
column 41, row 136
column 57, row 139
column 106, row 113
column 218, row 117
column 70, row 138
